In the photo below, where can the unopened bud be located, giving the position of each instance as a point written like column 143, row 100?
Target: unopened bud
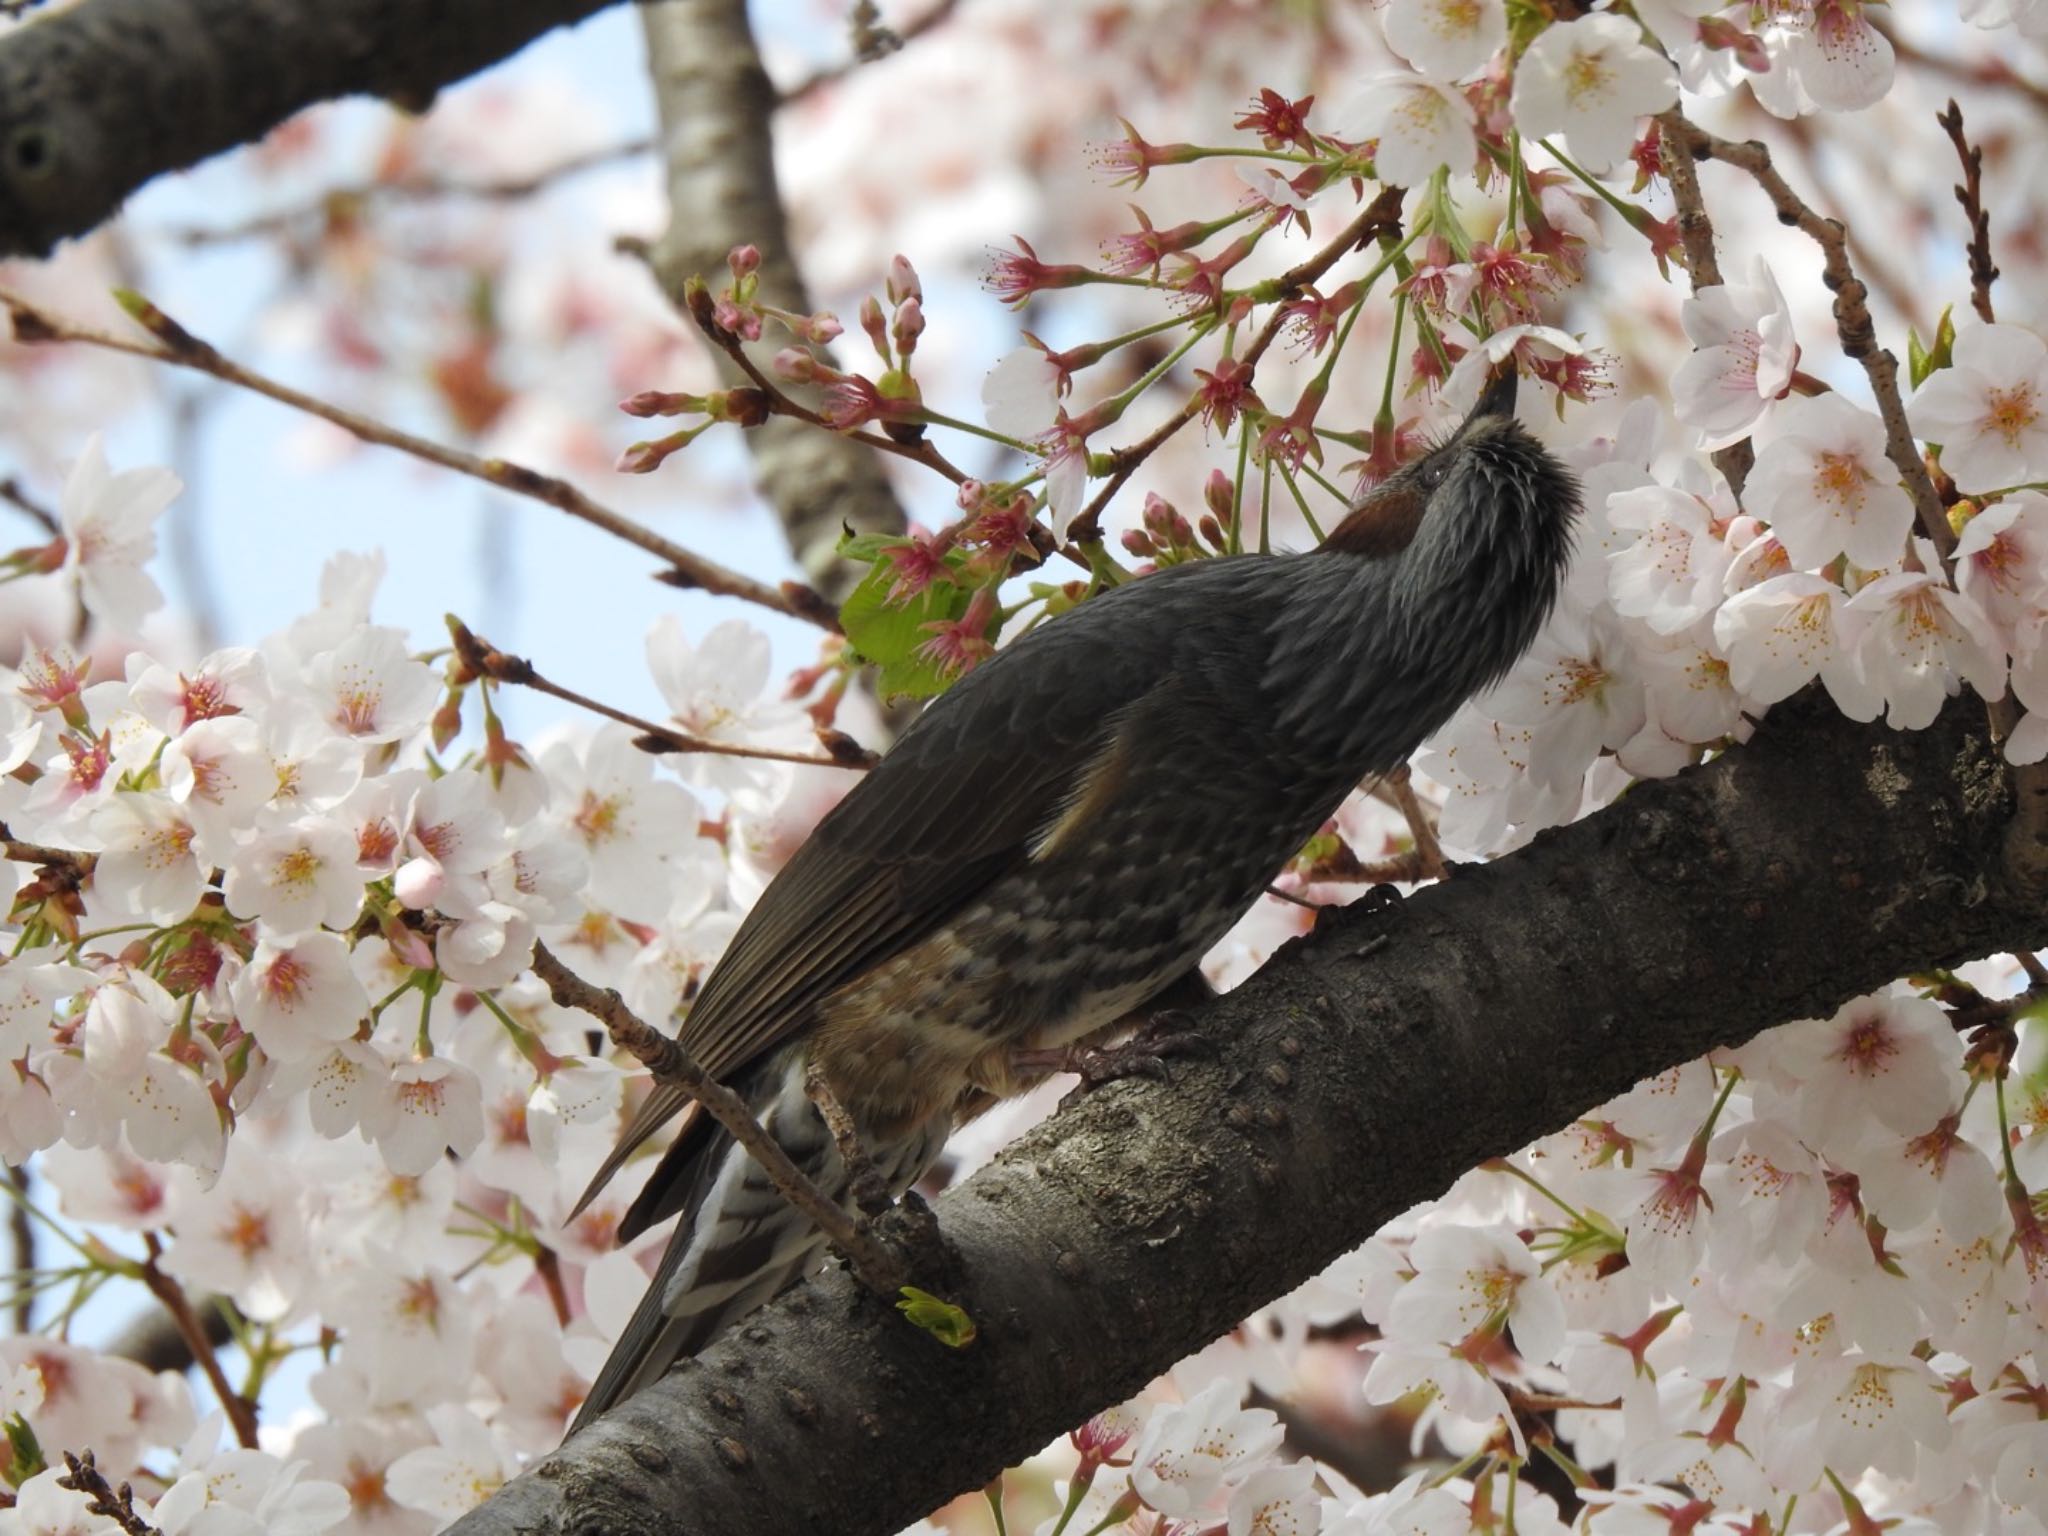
column 871, row 321
column 745, row 260
column 821, row 328
column 1182, row 535
column 902, row 282
column 1212, row 531
column 908, row 327
column 660, row 402
column 447, row 722
column 1139, row 543
column 795, row 365
column 1159, row 515
column 1220, row 495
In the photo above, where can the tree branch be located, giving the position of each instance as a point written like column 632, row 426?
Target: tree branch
column 1817, row 862
column 178, row 347
column 716, row 105
column 99, row 98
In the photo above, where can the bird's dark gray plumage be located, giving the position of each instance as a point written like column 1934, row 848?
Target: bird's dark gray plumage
column 1065, row 833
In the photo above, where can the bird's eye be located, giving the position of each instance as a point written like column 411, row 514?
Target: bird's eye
column 1434, row 471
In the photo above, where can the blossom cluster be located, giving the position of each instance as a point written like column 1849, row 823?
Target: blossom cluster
column 269, row 1014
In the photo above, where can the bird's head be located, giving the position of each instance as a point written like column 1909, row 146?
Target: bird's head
column 1490, row 484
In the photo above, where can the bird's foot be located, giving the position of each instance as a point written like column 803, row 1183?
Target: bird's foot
column 1144, row 1054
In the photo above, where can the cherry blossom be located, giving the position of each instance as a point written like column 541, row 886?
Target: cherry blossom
column 1913, row 641
column 2002, row 565
column 109, row 525
column 1590, row 79
column 1469, row 1277
column 464, row 1467
column 297, row 877
column 298, row 995
column 1419, row 124
column 631, row 825
column 1446, row 39
column 1824, row 485
column 1745, row 359
column 369, row 689
column 1578, row 690
column 1191, row 1452
column 148, row 859
column 715, row 691
column 1671, row 575
column 1779, row 634
column 1989, row 411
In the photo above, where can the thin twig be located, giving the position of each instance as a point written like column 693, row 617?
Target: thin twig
column 1983, row 273
column 486, row 660
column 1696, row 233
column 21, row 1225
column 1429, row 853
column 74, row 866
column 12, row 493
column 1852, row 316
column 115, row 1504
column 864, row 51
column 877, row 1265
column 870, row 1194
column 2037, row 973
column 240, row 1411
column 1380, row 216
column 178, row 347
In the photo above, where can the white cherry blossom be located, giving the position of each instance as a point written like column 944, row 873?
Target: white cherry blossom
column 297, row 995
column 1468, row 1277
column 1824, row 485
column 1591, row 79
column 1779, row 634
column 1670, row 576
column 296, row 878
column 1191, row 1452
column 109, row 526
column 1419, row 124
column 1446, row 39
column 2002, row 565
column 1989, row 412
column 439, row 1109
column 369, row 689
column 1745, row 357
column 1913, row 641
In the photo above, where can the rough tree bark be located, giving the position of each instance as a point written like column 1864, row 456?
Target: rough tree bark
column 97, row 99
column 718, row 158
column 1361, row 1071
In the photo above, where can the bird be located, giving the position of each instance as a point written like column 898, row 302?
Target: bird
column 1059, row 838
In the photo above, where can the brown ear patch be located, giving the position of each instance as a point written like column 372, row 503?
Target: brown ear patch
column 1383, row 524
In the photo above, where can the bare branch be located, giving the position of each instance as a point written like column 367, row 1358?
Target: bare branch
column 1852, row 315
column 1983, row 273
column 240, row 1411
column 98, row 98
column 12, row 493
column 878, row 1266
column 178, row 347
column 1696, row 231
column 486, row 660
column 116, row 1504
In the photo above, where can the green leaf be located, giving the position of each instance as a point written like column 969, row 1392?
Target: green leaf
column 889, row 634
column 25, row 1454
column 1923, row 361
column 941, row 1319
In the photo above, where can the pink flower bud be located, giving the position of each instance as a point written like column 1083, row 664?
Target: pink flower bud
column 902, row 282
column 1139, row 543
column 908, row 327
column 871, row 321
column 745, row 260
column 821, row 328
column 1212, row 533
column 795, row 365
column 657, row 402
column 1219, row 495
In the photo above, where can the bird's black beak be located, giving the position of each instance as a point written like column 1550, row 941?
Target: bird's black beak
column 1498, row 398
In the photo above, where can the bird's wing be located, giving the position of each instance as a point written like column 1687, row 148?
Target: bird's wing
column 1002, row 767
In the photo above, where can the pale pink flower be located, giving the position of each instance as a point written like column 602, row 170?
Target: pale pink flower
column 310, row 767
column 29, row 990
column 1591, row 79
column 1688, row 688
column 1021, row 395
column 1780, row 633
column 246, row 1234
column 1770, row 1191
column 410, row 1331
column 1670, row 576
column 109, row 524
column 1913, row 642
column 456, row 831
column 719, row 690
column 245, row 1491
column 440, row 1109
column 298, row 996
column 1469, row 1277
column 148, row 868
column 296, row 878
column 1824, row 56
column 466, row 1465
column 349, row 1087
column 1989, row 412
column 1420, row 126
column 1862, row 1412
column 220, row 774
column 1744, row 360
column 1824, row 485
column 1190, row 1452
column 1894, row 1061
column 1578, row 689
column 369, row 689
column 1463, row 1390
column 1276, row 1501
column 234, row 681
column 1447, row 40
column 2002, row 565
column 631, row 826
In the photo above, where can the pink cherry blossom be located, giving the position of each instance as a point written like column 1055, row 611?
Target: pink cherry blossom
column 1591, row 79
column 1989, row 411
column 1824, row 485
column 1446, row 40
column 1419, row 125
column 109, row 523
column 1745, row 358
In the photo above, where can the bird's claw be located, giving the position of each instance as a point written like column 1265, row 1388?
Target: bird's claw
column 1143, row 1055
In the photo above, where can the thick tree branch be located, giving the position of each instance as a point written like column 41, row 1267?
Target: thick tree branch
column 97, row 99
column 716, row 108
column 1816, row 863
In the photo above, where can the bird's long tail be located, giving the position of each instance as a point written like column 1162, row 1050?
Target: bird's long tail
column 738, row 1242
